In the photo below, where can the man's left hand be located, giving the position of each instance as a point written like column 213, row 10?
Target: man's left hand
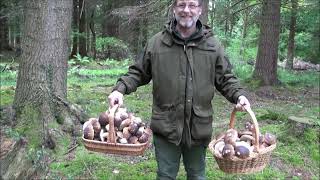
column 242, row 104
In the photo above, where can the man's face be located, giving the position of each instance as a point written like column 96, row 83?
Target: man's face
column 187, row 12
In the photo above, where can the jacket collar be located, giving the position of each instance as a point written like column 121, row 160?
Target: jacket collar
column 169, row 36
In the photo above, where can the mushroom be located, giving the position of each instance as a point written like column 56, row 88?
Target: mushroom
column 96, row 126
column 103, row 118
column 138, row 121
column 88, row 132
column 117, row 121
column 107, row 127
column 270, row 139
column 133, row 128
column 231, row 137
column 242, row 152
column 143, row 138
column 123, row 141
column 133, row 140
column 140, row 132
column 246, row 132
column 103, row 135
column 218, row 147
column 126, row 133
column 247, row 138
column 86, row 124
column 119, row 134
column 228, row 151
column 249, row 126
column 125, row 123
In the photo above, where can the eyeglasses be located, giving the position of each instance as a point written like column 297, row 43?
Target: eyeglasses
column 183, row 6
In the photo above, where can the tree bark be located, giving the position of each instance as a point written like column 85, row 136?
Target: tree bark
column 290, row 53
column 245, row 16
column 204, row 14
column 75, row 21
column 82, row 28
column 93, row 41
column 42, row 75
column 266, row 64
column 4, row 33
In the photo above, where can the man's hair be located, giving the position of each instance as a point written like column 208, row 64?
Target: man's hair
column 199, row 1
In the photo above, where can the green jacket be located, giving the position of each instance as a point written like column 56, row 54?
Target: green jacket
column 184, row 75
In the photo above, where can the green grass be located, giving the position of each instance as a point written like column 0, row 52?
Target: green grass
column 89, row 88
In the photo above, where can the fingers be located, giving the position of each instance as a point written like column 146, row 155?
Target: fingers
column 242, row 104
column 115, row 98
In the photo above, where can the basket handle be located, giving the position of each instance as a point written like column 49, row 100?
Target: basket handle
column 255, row 123
column 112, row 134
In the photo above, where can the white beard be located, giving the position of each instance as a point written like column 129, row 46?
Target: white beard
column 187, row 23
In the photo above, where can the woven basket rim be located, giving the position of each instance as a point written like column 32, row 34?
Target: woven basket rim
column 235, row 158
column 114, row 144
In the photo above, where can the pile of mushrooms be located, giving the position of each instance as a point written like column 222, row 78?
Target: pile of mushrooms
column 128, row 129
column 241, row 144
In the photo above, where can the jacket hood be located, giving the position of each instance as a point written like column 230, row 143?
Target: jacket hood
column 203, row 31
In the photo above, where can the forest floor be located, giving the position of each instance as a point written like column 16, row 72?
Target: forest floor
column 297, row 155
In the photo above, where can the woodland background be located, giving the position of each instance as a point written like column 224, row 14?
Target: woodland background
column 60, row 59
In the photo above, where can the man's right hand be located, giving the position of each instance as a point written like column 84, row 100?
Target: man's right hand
column 115, row 98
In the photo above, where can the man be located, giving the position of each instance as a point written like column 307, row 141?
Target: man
column 185, row 63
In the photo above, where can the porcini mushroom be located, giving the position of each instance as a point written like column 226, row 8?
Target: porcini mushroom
column 103, row 119
column 103, row 135
column 242, row 152
column 88, row 132
column 143, row 138
column 228, row 151
column 96, row 126
column 133, row 128
column 269, row 139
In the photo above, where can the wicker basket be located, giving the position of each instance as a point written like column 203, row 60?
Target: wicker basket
column 111, row 146
column 257, row 161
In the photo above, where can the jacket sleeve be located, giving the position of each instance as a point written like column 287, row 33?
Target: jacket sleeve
column 138, row 74
column 225, row 81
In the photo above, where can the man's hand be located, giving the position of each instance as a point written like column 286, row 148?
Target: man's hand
column 115, row 98
column 242, row 103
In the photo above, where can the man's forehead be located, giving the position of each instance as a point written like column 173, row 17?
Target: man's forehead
column 187, row 1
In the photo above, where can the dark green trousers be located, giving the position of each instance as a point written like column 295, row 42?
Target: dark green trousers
column 168, row 159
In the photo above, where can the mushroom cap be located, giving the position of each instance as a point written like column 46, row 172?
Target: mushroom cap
column 86, row 124
column 246, row 132
column 133, row 128
column 140, row 132
column 270, row 138
column 103, row 119
column 133, row 140
column 249, row 126
column 228, row 151
column 96, row 126
column 230, row 138
column 218, row 147
column 88, row 132
column 242, row 152
column 126, row 133
column 123, row 141
column 117, row 121
column 125, row 123
column 143, row 138
column 247, row 138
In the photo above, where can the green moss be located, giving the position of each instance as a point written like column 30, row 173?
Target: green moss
column 30, row 126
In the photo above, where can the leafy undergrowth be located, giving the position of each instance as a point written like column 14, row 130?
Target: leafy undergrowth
column 296, row 156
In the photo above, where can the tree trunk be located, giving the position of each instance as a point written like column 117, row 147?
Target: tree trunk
column 212, row 13
column 93, row 41
column 204, row 14
column 266, row 64
column 82, row 29
column 4, row 33
column 75, row 21
column 290, row 53
column 245, row 16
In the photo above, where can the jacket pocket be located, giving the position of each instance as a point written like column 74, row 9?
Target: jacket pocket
column 162, row 122
column 201, row 123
